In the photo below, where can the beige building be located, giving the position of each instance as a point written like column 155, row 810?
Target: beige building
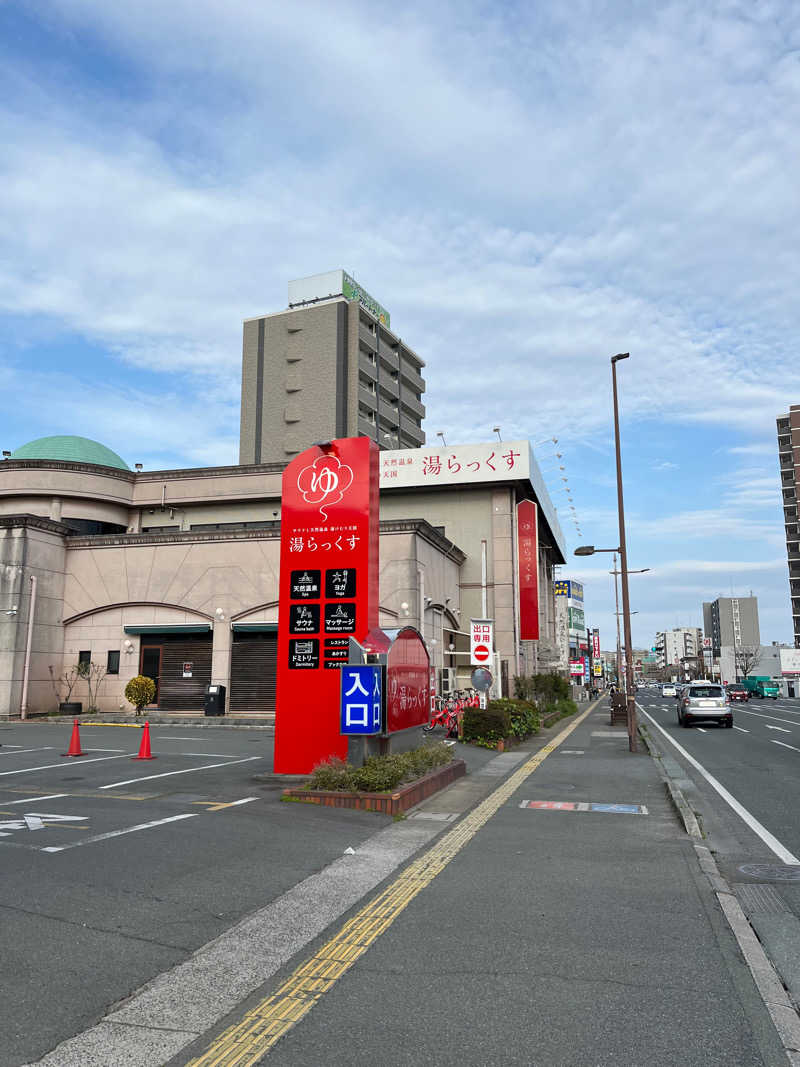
column 327, row 367
column 175, row 573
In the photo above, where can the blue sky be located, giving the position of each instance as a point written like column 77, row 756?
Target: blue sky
column 528, row 188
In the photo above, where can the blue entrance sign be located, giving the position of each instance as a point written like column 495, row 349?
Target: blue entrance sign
column 362, row 700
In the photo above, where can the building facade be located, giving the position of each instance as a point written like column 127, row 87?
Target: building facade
column 732, row 622
column 789, row 459
column 175, row 573
column 672, row 646
column 325, row 368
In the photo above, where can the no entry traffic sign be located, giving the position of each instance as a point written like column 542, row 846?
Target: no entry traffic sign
column 481, row 633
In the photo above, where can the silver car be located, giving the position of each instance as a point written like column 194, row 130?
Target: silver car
column 704, row 702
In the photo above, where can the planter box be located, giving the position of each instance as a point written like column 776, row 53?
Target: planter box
column 72, row 707
column 401, row 799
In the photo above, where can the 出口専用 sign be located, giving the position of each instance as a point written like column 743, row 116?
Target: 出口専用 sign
column 328, row 593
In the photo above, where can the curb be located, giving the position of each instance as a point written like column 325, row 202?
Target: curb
column 777, row 1001
column 394, row 803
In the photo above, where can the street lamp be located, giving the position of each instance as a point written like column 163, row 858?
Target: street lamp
column 589, row 550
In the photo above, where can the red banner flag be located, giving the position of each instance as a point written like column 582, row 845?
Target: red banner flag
column 528, row 563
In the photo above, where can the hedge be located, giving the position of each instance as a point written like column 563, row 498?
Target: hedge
column 380, row 774
column 498, row 720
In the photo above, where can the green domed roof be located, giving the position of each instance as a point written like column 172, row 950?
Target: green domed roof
column 70, row 450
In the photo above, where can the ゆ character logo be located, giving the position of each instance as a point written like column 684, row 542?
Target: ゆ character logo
column 324, row 482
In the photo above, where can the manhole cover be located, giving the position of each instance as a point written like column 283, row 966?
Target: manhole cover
column 772, row 872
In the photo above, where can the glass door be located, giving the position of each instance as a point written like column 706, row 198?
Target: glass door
column 150, row 664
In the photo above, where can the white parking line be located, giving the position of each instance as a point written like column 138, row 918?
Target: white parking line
column 216, row 755
column 119, row 833
column 189, row 770
column 35, row 800
column 18, row 751
column 50, row 766
column 700, row 728
column 741, row 730
column 783, row 854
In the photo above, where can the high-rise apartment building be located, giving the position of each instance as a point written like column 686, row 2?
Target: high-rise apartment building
column 329, row 366
column 732, row 622
column 789, row 458
column 674, row 645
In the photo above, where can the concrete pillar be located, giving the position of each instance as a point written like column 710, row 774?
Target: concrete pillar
column 221, row 654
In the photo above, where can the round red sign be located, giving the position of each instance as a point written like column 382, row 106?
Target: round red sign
column 481, row 653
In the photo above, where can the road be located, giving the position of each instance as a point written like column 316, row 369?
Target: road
column 744, row 785
column 112, row 870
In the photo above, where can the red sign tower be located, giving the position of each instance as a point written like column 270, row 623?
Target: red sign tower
column 328, row 593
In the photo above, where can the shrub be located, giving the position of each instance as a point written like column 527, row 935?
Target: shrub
column 566, row 707
column 140, row 691
column 524, row 719
column 486, row 726
column 380, row 774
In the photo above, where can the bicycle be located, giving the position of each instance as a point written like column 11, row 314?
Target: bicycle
column 445, row 715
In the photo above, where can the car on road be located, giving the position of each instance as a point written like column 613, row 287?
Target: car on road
column 737, row 693
column 668, row 689
column 704, row 702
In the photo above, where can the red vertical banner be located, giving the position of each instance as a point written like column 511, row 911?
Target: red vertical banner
column 596, row 644
column 328, row 593
column 528, row 563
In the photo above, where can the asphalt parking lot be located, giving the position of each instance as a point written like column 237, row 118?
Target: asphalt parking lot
column 113, row 870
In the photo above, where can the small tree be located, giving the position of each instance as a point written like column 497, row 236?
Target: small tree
column 93, row 674
column 64, row 683
column 140, row 691
column 747, row 656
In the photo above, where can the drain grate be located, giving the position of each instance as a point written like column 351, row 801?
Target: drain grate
column 760, row 899
column 772, row 872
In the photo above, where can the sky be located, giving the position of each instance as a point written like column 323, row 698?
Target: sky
column 529, row 188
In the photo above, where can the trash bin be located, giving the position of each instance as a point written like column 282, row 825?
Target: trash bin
column 214, row 701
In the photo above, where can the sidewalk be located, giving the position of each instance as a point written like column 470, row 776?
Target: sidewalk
column 552, row 936
column 521, row 935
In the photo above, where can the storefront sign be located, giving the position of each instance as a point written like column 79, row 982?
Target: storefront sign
column 528, row 563
column 577, row 620
column 328, row 592
column 481, row 642
column 571, row 590
column 790, row 660
column 576, row 667
column 361, row 692
column 596, row 643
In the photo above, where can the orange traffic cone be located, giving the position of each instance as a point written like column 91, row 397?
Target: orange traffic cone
column 144, row 748
column 75, row 742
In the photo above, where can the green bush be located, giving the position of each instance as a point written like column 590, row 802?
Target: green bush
column 486, row 726
column 524, row 719
column 566, row 707
column 380, row 774
column 140, row 692
column 541, row 688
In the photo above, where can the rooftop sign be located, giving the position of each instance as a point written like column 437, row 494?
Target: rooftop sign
column 331, row 284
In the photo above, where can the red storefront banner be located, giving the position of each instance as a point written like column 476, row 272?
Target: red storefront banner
column 408, row 681
column 596, row 644
column 328, row 593
column 528, row 562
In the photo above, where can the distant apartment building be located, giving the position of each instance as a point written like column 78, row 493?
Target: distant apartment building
column 672, row 646
column 789, row 458
column 327, row 367
column 732, row 622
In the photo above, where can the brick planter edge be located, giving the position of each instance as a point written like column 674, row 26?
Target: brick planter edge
column 388, row 803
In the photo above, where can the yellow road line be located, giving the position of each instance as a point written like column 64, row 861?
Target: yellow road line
column 247, row 1041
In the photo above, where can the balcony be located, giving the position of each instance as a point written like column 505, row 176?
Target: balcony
column 389, row 358
column 412, row 405
column 366, row 399
column 390, row 387
column 410, row 376
column 367, row 337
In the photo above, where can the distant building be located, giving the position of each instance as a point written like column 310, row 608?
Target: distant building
column 677, row 644
column 732, row 622
column 327, row 367
column 789, row 457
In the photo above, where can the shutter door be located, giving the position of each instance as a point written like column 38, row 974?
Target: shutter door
column 254, row 663
column 176, row 693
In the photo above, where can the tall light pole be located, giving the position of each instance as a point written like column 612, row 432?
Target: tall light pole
column 617, row 612
column 623, row 561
